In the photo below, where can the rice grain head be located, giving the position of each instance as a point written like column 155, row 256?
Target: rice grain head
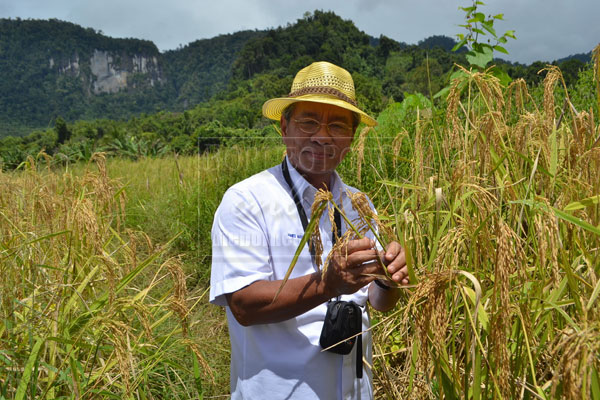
column 453, row 100
column 578, row 353
column 397, row 146
column 518, row 90
column 337, row 247
column 430, row 321
column 207, row 371
column 491, row 89
column 553, row 75
column 118, row 333
column 321, row 197
column 178, row 301
column 596, row 58
column 505, row 259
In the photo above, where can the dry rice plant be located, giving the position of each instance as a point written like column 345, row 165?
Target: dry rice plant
column 85, row 305
column 521, row 214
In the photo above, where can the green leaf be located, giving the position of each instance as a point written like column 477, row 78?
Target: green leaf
column 562, row 215
column 401, row 185
column 595, row 384
column 593, row 297
column 480, row 59
column 309, row 230
column 510, row 34
column 578, row 205
column 576, row 221
column 504, row 78
column 479, row 17
column 460, row 44
column 458, row 74
column 499, row 16
column 531, row 162
column 197, row 377
column 29, row 367
column 489, row 26
column 500, row 49
column 101, row 301
column 442, row 93
column 479, row 31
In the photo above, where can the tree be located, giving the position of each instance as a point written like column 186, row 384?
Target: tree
column 62, row 131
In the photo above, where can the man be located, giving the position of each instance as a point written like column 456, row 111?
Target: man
column 275, row 351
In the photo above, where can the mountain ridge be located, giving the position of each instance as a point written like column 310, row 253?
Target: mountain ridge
column 55, row 68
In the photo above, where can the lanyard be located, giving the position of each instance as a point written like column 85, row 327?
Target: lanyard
column 302, row 214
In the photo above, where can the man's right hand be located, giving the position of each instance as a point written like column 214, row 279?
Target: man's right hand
column 254, row 303
column 350, row 266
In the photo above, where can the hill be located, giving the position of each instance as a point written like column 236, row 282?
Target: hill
column 55, row 68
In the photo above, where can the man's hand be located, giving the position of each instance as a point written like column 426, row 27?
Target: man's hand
column 350, row 266
column 395, row 259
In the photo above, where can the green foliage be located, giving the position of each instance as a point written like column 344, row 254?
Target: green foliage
column 211, row 91
column 443, row 42
column 46, row 73
column 63, row 133
column 479, row 26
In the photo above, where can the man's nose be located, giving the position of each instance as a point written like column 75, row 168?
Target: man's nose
column 322, row 136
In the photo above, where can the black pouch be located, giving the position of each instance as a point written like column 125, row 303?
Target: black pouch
column 343, row 321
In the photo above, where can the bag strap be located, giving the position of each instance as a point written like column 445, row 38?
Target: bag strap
column 337, row 216
column 338, row 224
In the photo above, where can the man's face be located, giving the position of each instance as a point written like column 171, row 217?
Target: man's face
column 318, row 154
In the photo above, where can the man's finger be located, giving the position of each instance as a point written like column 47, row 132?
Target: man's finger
column 401, row 275
column 358, row 258
column 397, row 263
column 393, row 249
column 359, row 244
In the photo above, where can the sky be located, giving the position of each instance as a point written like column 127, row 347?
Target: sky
column 546, row 30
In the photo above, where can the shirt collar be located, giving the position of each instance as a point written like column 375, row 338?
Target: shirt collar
column 307, row 191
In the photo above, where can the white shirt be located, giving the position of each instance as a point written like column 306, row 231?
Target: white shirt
column 255, row 234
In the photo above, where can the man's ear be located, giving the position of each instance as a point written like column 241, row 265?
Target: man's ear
column 283, row 125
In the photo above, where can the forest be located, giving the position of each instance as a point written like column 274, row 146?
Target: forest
column 210, row 91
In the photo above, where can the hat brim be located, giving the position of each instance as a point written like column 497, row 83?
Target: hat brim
column 273, row 108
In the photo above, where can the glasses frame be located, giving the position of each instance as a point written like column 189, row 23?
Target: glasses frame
column 350, row 130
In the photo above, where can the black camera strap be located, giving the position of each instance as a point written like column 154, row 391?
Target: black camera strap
column 338, row 223
column 337, row 216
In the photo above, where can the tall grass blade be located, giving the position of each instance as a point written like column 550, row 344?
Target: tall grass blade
column 578, row 205
column 30, row 365
column 309, row 231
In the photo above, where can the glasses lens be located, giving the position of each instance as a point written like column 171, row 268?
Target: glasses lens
column 339, row 129
column 308, row 125
column 311, row 126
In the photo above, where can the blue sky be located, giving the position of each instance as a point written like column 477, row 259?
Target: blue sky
column 546, row 29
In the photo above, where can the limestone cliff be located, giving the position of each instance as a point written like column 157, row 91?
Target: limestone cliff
column 110, row 72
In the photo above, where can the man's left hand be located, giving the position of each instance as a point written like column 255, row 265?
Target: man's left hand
column 395, row 260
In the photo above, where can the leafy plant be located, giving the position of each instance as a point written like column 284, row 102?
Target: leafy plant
column 479, row 26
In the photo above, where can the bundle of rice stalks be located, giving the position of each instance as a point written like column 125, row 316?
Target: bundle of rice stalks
column 86, row 304
column 508, row 193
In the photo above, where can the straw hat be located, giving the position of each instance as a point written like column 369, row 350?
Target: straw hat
column 320, row 82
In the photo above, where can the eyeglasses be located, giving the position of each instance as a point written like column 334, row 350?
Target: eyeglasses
column 312, row 126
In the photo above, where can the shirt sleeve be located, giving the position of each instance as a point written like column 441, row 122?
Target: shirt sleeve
column 240, row 249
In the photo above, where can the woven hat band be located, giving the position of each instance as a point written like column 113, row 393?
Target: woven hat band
column 323, row 90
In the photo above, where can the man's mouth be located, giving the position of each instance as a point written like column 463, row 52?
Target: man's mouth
column 321, row 155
